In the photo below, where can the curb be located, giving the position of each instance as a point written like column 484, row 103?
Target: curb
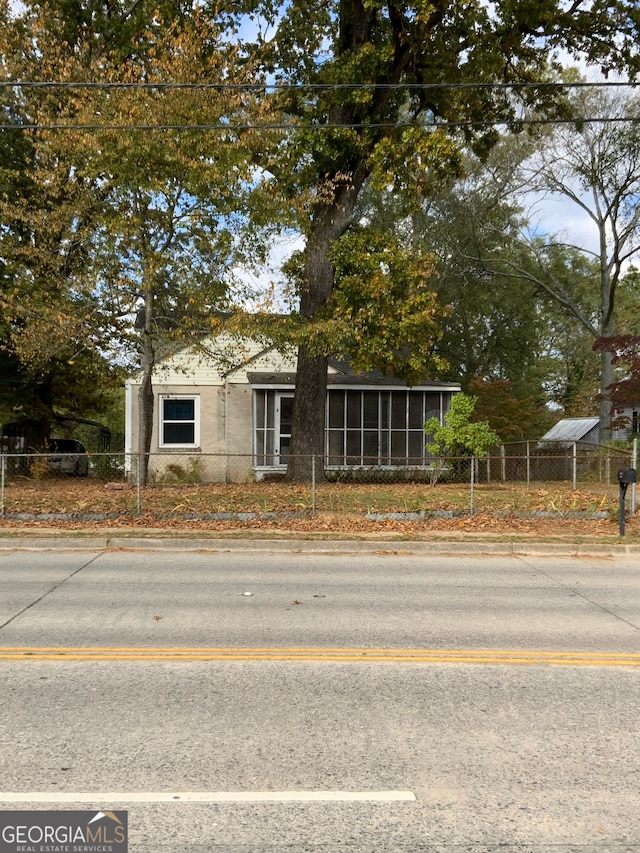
column 325, row 546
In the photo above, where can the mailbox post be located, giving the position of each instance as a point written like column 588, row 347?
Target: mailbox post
column 625, row 477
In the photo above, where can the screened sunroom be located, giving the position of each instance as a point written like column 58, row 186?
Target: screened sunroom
column 371, row 421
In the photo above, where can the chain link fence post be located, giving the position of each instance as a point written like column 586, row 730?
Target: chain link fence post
column 138, row 489
column 634, row 464
column 2, row 464
column 473, row 472
column 313, row 485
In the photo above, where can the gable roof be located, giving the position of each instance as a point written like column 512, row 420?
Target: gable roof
column 223, row 358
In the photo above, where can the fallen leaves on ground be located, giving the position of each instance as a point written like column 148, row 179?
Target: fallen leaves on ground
column 500, row 509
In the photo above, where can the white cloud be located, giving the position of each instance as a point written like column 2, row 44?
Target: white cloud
column 559, row 217
column 266, row 282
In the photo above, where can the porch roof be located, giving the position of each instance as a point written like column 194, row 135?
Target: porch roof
column 374, row 379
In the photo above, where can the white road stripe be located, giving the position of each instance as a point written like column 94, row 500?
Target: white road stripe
column 208, row 797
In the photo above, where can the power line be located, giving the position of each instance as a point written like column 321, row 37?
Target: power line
column 313, row 87
column 502, row 122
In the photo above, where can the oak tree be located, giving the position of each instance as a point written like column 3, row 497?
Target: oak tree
column 373, row 82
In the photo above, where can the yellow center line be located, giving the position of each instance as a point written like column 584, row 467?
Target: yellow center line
column 329, row 654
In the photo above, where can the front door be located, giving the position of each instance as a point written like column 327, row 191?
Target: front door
column 284, row 412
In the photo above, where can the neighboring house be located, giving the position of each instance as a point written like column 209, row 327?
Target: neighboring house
column 571, row 430
column 626, row 423
column 226, row 408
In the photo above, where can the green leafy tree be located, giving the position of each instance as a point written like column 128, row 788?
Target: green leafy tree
column 160, row 258
column 460, row 435
column 383, row 300
column 490, row 328
column 349, row 136
column 502, row 335
column 513, row 414
column 121, row 224
column 594, row 166
column 49, row 202
column 49, row 365
column 165, row 238
column 525, row 305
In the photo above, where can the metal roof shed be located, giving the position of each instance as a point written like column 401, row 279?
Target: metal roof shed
column 569, row 430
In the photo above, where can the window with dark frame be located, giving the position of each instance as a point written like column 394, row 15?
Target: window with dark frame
column 178, row 422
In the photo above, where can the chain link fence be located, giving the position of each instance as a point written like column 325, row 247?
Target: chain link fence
column 575, row 463
column 115, row 483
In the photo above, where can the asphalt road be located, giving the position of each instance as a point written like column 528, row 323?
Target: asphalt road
column 504, row 715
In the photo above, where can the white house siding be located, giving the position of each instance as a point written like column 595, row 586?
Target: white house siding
column 631, row 429
column 188, row 369
column 263, row 362
column 207, row 364
column 217, row 362
column 221, row 384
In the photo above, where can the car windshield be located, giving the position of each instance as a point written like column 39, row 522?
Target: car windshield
column 65, row 445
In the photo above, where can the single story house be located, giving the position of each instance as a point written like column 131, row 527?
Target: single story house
column 225, row 407
column 626, row 423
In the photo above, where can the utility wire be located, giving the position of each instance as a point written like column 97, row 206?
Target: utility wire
column 442, row 125
column 314, row 87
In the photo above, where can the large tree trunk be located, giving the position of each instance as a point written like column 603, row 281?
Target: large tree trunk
column 330, row 221
column 331, row 216
column 307, row 424
column 145, row 417
column 606, row 380
column 307, row 431
column 145, row 392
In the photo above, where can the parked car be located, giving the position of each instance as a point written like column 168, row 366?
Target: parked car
column 74, row 458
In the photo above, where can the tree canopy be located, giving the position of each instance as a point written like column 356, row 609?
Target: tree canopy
column 374, row 83
column 102, row 228
column 314, row 110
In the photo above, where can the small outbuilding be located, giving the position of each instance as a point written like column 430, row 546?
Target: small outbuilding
column 571, row 430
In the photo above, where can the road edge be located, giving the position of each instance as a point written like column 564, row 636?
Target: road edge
column 441, row 547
